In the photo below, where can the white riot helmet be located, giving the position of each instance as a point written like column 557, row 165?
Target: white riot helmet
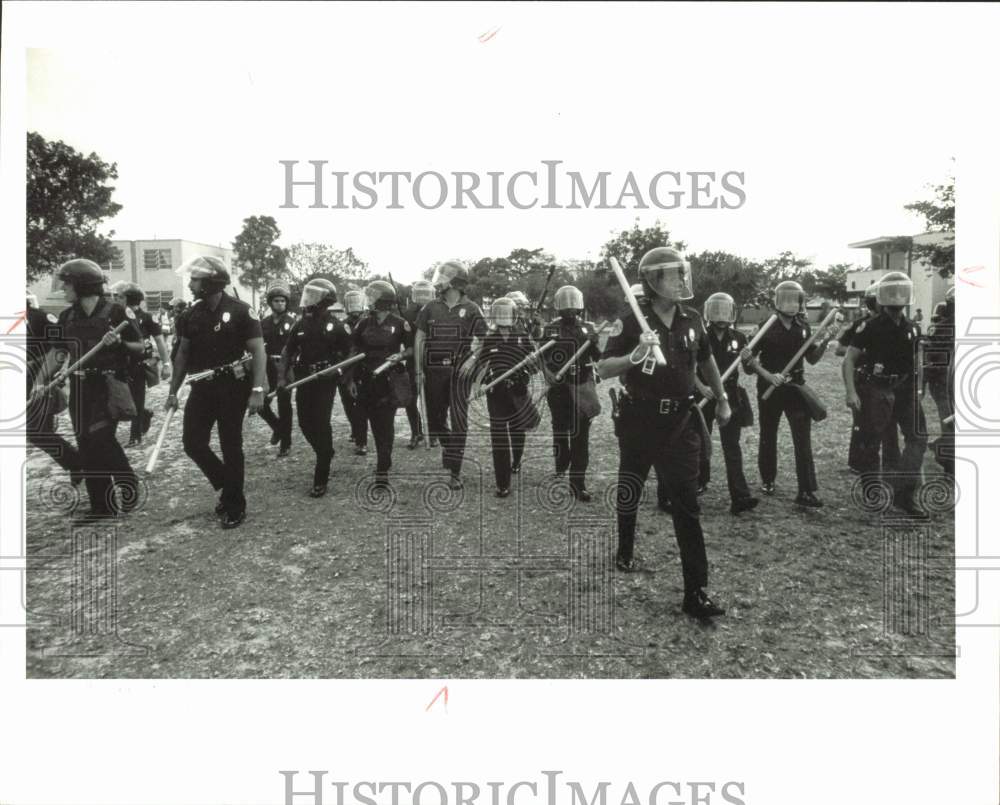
column 503, row 312
column 519, row 299
column 667, row 273
column 450, row 275
column 720, row 307
column 895, row 289
column 568, row 298
column 638, row 291
column 789, row 298
column 354, row 301
column 422, row 292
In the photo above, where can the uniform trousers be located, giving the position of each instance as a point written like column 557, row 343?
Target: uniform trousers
column 789, row 402
column 40, row 426
column 314, row 405
column 570, row 436
column 447, row 396
column 732, row 453
column 882, row 408
column 506, row 434
column 281, row 424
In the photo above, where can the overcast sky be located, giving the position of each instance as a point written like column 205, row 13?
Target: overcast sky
column 825, row 111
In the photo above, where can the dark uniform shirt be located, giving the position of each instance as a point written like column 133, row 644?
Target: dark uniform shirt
column 500, row 354
column 887, row 347
column 778, row 347
column 411, row 312
column 845, row 337
column 449, row 331
column 318, row 339
column 684, row 345
column 217, row 337
column 276, row 332
column 150, row 328
column 379, row 341
column 726, row 349
column 80, row 333
column 569, row 338
column 42, row 333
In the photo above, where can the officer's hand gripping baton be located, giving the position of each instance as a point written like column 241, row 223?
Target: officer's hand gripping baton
column 383, row 366
column 753, row 342
column 578, row 354
column 337, row 367
column 802, row 351
column 62, row 374
column 630, row 298
column 519, row 365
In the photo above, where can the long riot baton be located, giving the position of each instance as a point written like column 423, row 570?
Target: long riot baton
column 336, row 368
column 579, row 353
column 62, row 374
column 630, row 298
column 387, row 364
column 753, row 342
column 545, row 290
column 519, row 365
column 802, row 350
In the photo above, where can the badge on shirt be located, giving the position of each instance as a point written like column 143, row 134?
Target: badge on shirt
column 583, row 329
column 733, row 345
column 226, row 317
column 286, row 326
column 329, row 326
column 691, row 334
column 52, row 319
column 804, row 333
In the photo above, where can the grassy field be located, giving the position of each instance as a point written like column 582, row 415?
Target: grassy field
column 427, row 583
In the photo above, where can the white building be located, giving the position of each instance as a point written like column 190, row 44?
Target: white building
column 889, row 253
column 152, row 265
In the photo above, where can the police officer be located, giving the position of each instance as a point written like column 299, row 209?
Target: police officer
column 87, row 322
column 316, row 342
column 42, row 335
column 726, row 342
column 356, row 306
column 883, row 349
column 527, row 319
column 177, row 309
column 421, row 292
column 276, row 328
column 657, row 424
column 572, row 399
column 132, row 295
column 216, row 331
column 939, row 354
column 890, row 442
column 503, row 347
column 770, row 356
column 445, row 329
column 383, row 335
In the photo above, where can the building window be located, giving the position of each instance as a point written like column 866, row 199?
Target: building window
column 155, row 300
column 117, row 262
column 154, row 259
column 854, row 285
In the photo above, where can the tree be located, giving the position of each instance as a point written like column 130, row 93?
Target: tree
column 257, row 255
column 67, row 198
column 830, row 283
column 721, row 272
column 629, row 246
column 304, row 260
column 939, row 216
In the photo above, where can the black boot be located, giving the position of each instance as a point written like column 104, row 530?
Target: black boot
column 698, row 605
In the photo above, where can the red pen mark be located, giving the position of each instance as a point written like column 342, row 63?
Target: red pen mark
column 486, row 37
column 971, row 270
column 20, row 317
column 443, row 690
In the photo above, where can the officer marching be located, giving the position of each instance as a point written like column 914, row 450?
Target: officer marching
column 573, row 399
column 509, row 403
column 882, row 349
column 315, row 342
column 767, row 361
column 41, row 336
column 445, row 329
column 382, row 336
column 657, row 421
column 132, row 296
column 939, row 373
column 727, row 342
column 355, row 305
column 214, row 334
column 95, row 389
column 276, row 328
column 421, row 292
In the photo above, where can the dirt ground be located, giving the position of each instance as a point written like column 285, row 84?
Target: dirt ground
column 428, row 583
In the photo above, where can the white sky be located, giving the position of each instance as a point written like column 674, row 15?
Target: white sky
column 823, row 109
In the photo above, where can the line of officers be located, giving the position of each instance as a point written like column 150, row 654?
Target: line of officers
column 441, row 345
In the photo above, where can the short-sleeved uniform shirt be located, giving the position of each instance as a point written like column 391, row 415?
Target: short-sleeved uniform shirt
column 684, row 344
column 217, row 337
column 318, row 338
column 80, row 333
column 503, row 351
column 726, row 350
column 379, row 340
column 887, row 347
column 42, row 333
column 449, row 331
column 778, row 347
column 569, row 338
column 276, row 332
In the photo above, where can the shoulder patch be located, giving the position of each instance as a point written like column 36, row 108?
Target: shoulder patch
column 461, row 312
column 616, row 328
column 51, row 318
column 691, row 333
column 347, row 328
column 129, row 313
column 406, row 326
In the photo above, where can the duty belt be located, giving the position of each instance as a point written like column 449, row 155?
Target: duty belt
column 667, row 405
column 884, row 380
column 319, row 366
column 98, row 372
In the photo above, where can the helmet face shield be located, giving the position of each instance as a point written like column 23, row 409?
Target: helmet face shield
column 895, row 290
column 314, row 293
column 518, row 298
column 503, row 312
column 380, row 295
column 720, row 307
column 671, row 281
column 450, row 275
column 789, row 298
column 422, row 292
column 354, row 301
column 568, row 298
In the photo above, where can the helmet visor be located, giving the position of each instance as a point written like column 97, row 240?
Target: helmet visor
column 312, row 295
column 503, row 312
column 422, row 294
column 789, row 301
column 720, row 308
column 894, row 293
column 671, row 281
column 568, row 298
column 354, row 301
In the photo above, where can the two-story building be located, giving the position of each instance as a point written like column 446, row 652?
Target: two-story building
column 152, row 265
column 894, row 253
